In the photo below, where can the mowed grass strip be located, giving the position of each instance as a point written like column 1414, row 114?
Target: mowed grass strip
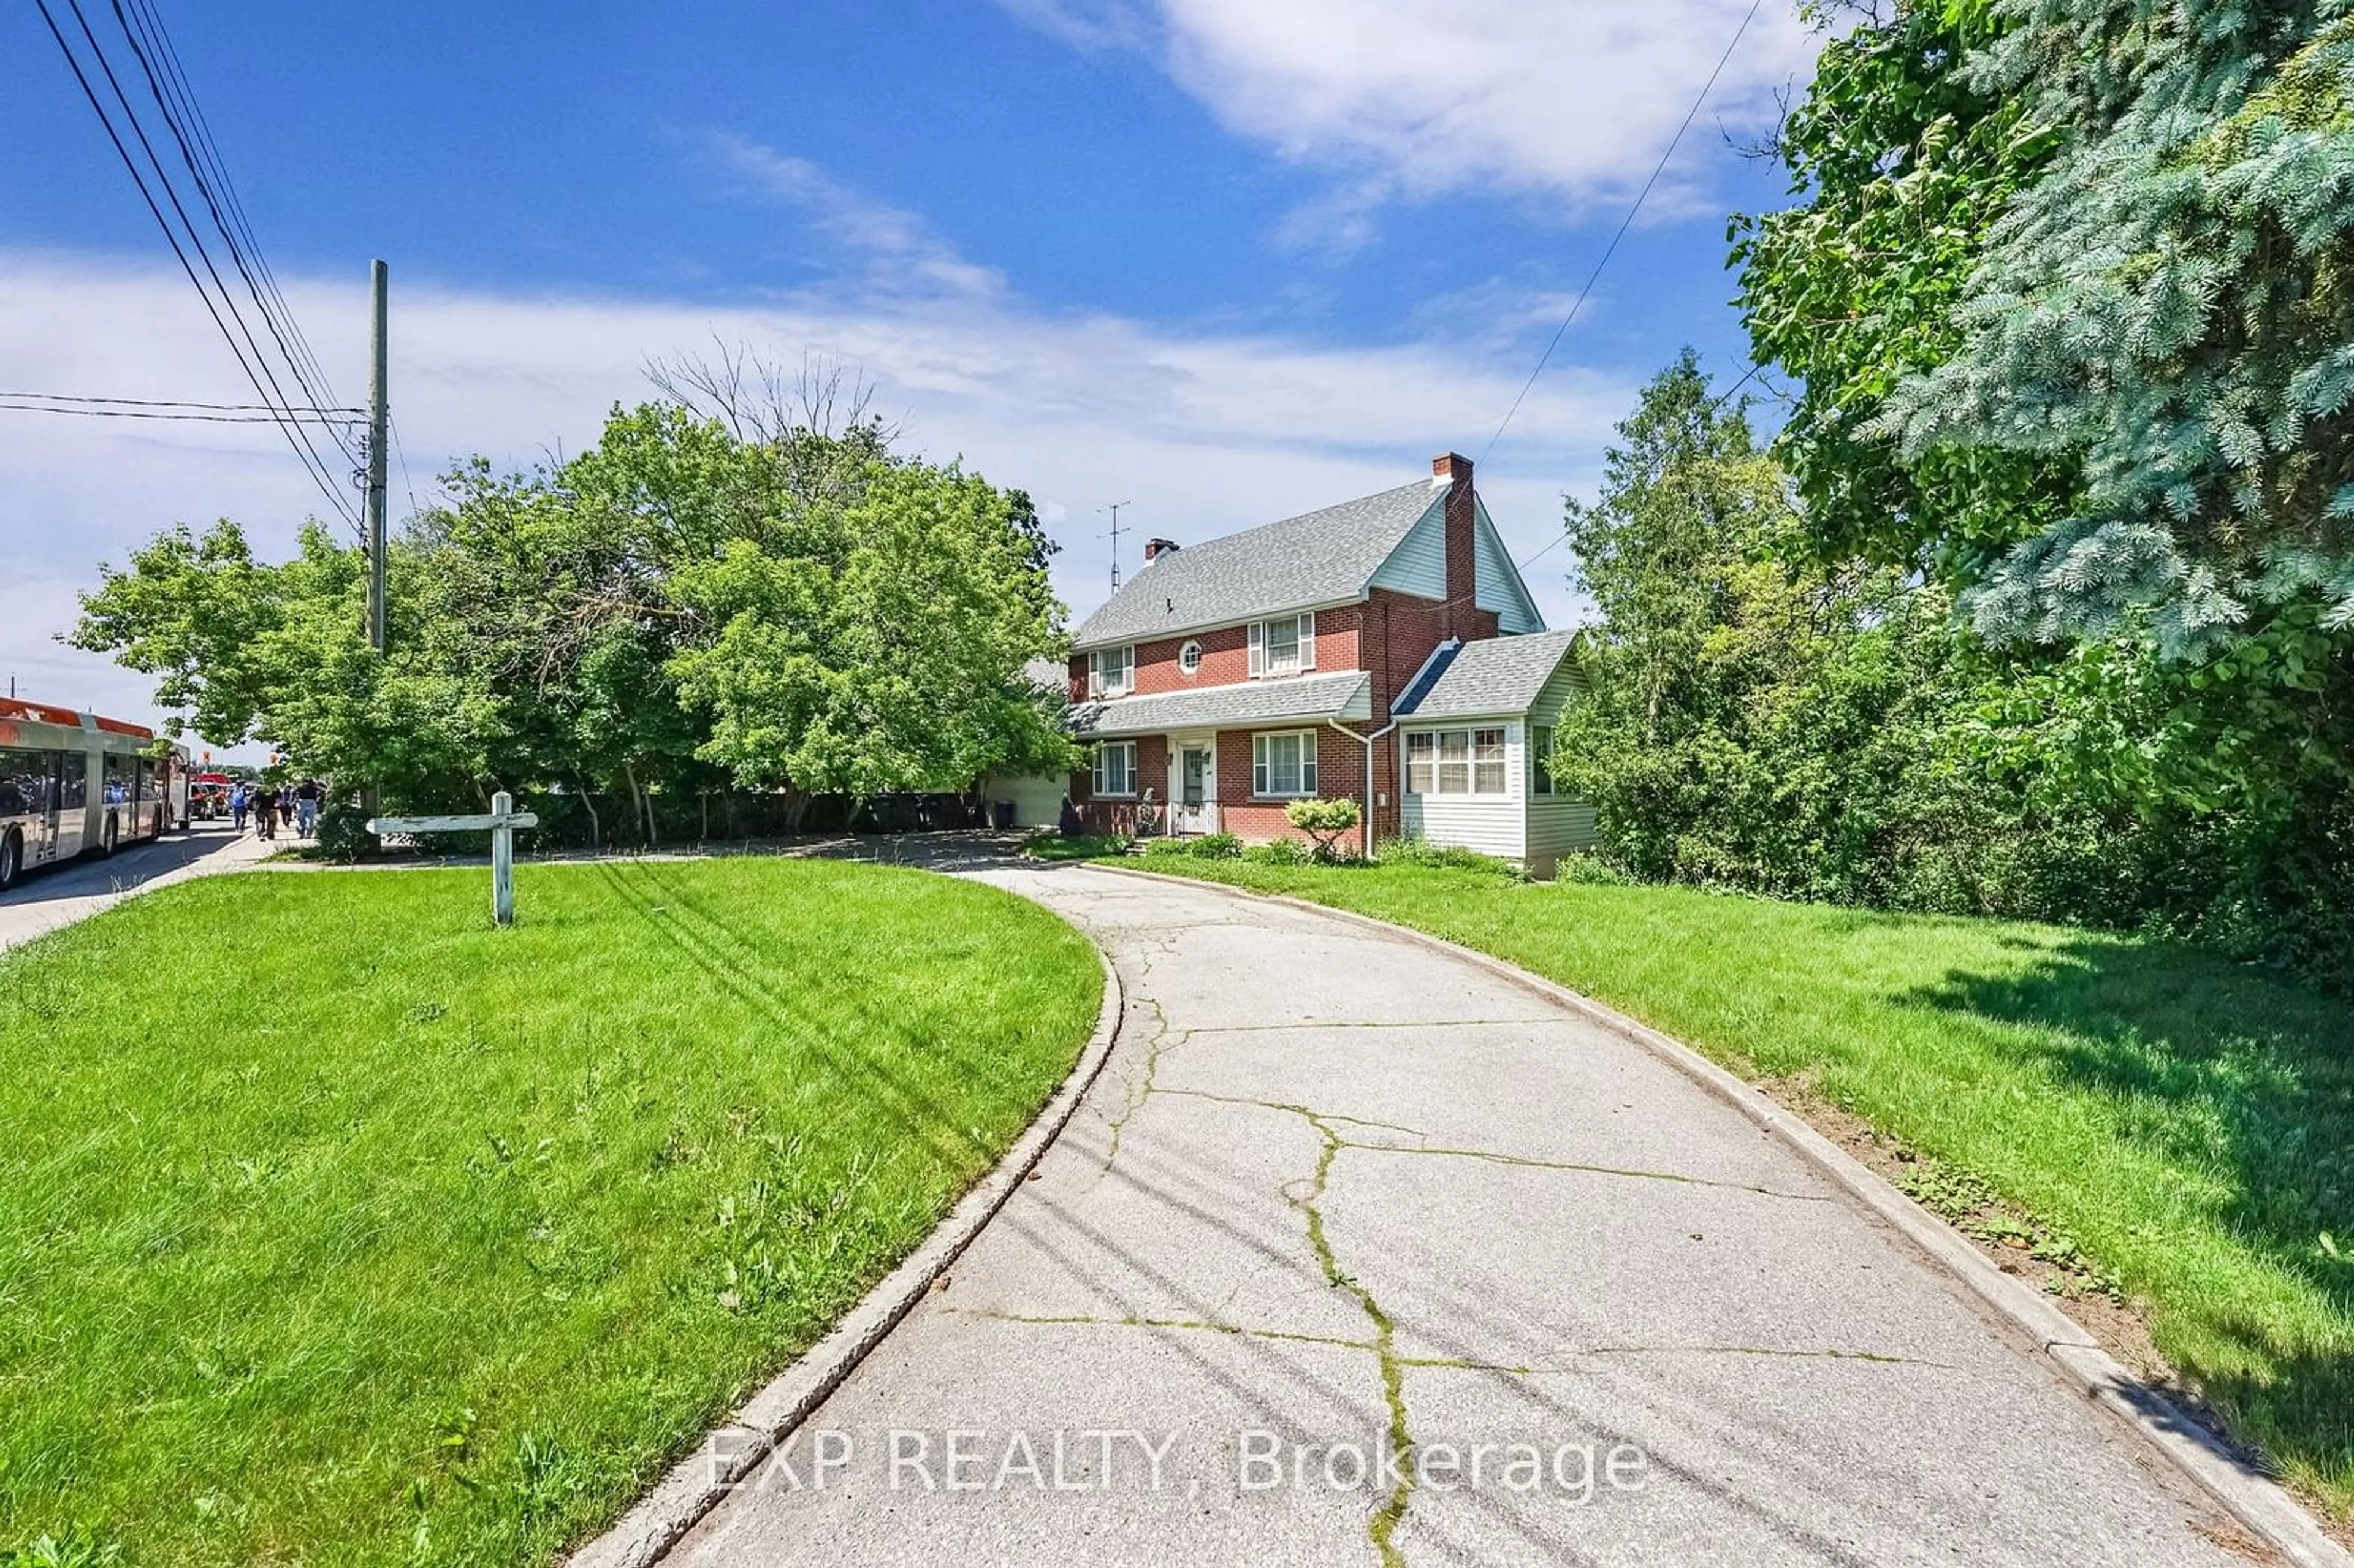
column 339, row 1227
column 2188, row 1123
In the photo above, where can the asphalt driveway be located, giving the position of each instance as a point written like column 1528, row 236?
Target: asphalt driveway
column 1339, row 1197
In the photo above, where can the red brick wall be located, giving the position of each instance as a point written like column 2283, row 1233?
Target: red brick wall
column 1225, row 655
column 1340, row 775
column 1117, row 813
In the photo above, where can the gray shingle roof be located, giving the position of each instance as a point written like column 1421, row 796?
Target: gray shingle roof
column 1318, row 558
column 1344, row 693
column 1494, row 676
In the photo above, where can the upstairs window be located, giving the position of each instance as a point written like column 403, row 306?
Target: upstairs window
column 1189, row 658
column 1112, row 672
column 1284, row 646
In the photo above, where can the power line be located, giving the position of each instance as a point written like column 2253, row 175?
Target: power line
column 1624, row 224
column 185, row 119
column 325, row 418
column 394, row 426
column 178, row 403
column 300, row 444
column 237, row 257
column 1714, row 405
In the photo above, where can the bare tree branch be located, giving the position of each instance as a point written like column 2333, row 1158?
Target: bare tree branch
column 761, row 402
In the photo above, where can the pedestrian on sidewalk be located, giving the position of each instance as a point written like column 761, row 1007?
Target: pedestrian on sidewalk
column 238, row 799
column 265, row 813
column 306, row 808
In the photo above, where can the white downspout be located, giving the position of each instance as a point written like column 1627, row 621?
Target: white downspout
column 1369, row 740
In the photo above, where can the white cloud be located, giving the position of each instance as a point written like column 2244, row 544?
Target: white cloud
column 1203, row 433
column 901, row 246
column 1086, row 24
column 1573, row 98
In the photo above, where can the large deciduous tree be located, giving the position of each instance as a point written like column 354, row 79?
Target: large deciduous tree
column 1902, row 163
column 681, row 606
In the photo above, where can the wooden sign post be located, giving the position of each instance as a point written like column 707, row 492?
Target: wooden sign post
column 502, row 822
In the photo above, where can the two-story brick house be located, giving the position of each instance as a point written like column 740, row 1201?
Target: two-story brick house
column 1385, row 651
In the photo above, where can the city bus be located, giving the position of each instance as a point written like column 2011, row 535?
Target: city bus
column 73, row 783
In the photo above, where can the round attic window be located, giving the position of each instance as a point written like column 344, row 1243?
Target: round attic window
column 1189, row 658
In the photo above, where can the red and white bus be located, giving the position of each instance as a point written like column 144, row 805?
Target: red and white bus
column 73, row 783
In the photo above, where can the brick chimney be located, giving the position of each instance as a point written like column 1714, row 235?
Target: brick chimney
column 1156, row 549
column 1453, row 472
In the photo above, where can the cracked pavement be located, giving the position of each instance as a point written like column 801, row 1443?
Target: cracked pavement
column 1334, row 1191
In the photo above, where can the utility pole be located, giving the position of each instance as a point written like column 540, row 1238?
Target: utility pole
column 1114, row 510
column 380, row 415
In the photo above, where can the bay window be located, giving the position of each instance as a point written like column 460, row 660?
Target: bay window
column 1284, row 765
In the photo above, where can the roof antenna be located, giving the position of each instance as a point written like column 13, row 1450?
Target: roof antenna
column 1114, row 510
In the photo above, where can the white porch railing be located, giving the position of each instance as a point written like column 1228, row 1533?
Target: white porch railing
column 1200, row 819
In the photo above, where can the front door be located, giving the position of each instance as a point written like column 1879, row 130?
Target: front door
column 1195, row 812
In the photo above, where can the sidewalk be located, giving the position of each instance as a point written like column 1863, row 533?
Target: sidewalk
column 46, row 900
column 1338, row 1193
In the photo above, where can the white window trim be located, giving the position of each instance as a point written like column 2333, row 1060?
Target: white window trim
column 1094, row 779
column 1097, row 685
column 1190, row 650
column 1304, row 625
column 1263, row 770
column 1470, row 764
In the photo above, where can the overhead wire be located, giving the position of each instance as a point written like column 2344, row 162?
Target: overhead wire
column 1624, row 224
column 187, row 120
column 325, row 418
column 1714, row 405
column 257, row 370
column 204, row 190
column 394, row 427
column 178, row 403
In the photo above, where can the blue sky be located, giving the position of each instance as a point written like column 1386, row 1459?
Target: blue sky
column 1217, row 260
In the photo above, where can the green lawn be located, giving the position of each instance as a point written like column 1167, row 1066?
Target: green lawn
column 338, row 1227
column 2188, row 1123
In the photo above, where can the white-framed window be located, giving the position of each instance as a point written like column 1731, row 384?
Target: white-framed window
column 1284, row 765
column 1422, row 762
column 1115, row 767
column 1540, row 759
column 1112, row 672
column 1456, row 761
column 1189, row 658
column 1488, row 761
column 1284, row 646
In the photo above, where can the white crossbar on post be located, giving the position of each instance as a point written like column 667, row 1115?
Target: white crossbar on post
column 502, row 820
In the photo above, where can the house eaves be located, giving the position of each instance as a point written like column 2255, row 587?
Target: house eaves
column 1496, row 675
column 1242, row 705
